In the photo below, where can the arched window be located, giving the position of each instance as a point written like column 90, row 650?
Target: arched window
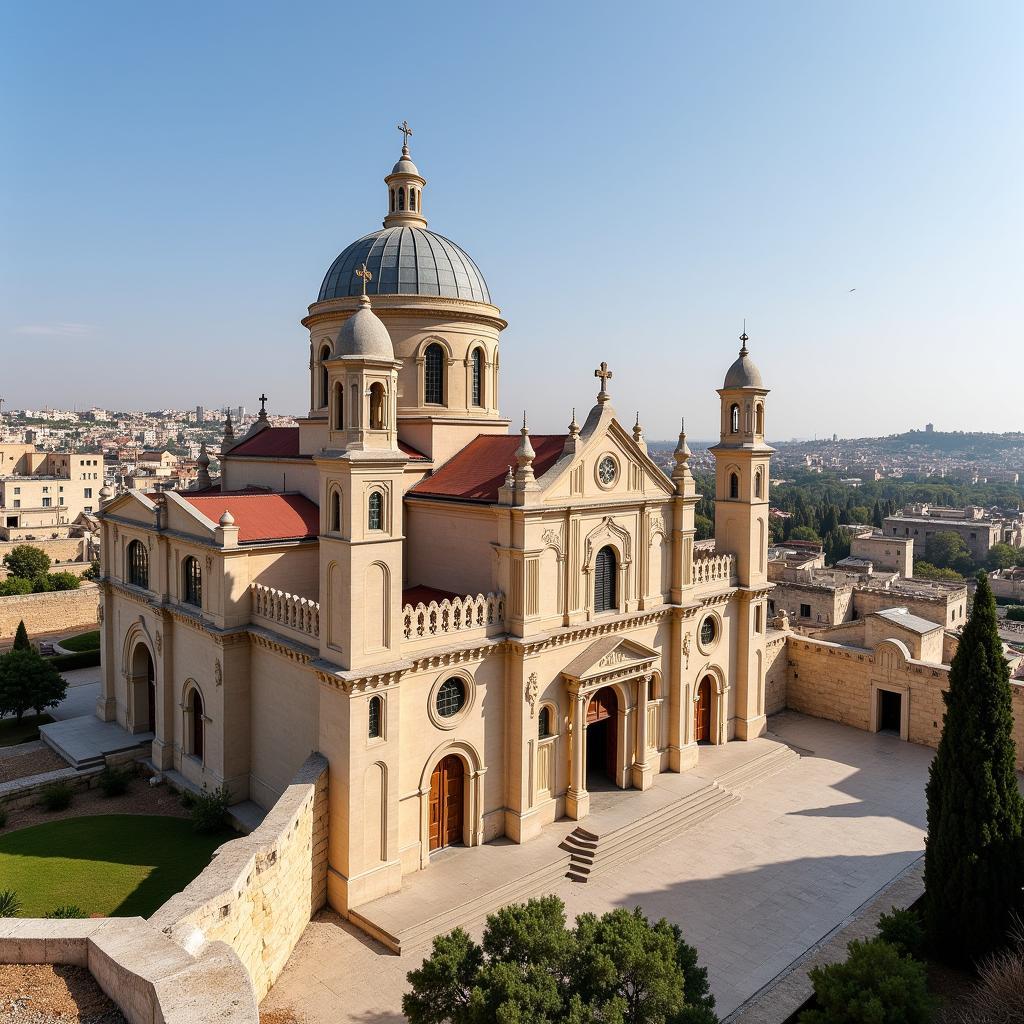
column 734, row 419
column 478, row 376
column 335, row 512
column 604, row 580
column 652, row 688
column 544, row 722
column 759, row 418
column 354, row 406
column 339, row 406
column 433, row 375
column 192, row 580
column 196, row 713
column 375, row 513
column 375, row 718
column 412, row 199
column 757, row 484
column 734, row 485
column 325, row 354
column 378, row 420
column 392, row 200
column 138, row 564
column 401, row 199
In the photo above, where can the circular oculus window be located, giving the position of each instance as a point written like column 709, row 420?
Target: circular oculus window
column 451, row 697
column 607, row 471
column 708, row 632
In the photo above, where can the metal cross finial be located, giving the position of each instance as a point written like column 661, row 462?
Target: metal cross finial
column 406, row 132
column 263, row 403
column 743, row 337
column 366, row 275
column 606, row 375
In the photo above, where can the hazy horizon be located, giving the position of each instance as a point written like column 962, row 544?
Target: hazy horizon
column 178, row 182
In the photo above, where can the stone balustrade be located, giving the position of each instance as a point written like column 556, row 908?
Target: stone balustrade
column 709, row 567
column 283, row 609
column 453, row 615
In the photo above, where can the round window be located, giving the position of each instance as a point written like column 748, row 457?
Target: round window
column 607, row 471
column 708, row 632
column 451, row 698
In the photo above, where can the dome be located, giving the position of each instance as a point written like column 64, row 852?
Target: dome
column 743, row 373
column 406, row 261
column 364, row 335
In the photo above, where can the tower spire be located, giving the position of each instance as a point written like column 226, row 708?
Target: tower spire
column 405, row 188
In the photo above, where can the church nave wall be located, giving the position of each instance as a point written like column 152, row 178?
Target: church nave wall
column 450, row 547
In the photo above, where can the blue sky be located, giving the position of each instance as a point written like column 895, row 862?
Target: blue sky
column 633, row 180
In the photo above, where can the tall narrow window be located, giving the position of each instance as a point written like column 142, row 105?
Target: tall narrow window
column 544, row 722
column 335, row 512
column 433, row 375
column 757, row 484
column 734, row 485
column 412, row 199
column 478, row 376
column 401, row 199
column 138, row 564
column 377, row 418
column 197, row 725
column 604, row 580
column 192, row 577
column 392, row 200
column 325, row 354
column 734, row 419
column 375, row 715
column 375, row 515
column 339, row 406
column 759, row 418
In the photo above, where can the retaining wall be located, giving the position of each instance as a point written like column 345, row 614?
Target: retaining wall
column 47, row 613
column 260, row 891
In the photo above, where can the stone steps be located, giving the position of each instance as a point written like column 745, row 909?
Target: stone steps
column 768, row 764
column 81, row 764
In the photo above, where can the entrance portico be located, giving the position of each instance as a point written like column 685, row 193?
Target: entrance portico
column 613, row 672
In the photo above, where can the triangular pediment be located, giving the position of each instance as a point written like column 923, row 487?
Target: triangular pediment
column 609, row 655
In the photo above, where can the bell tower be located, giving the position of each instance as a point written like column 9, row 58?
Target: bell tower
column 742, row 459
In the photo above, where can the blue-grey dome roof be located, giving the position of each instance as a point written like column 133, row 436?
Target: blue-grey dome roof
column 406, row 261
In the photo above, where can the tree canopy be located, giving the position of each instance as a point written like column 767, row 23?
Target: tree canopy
column 28, row 681
column 27, row 562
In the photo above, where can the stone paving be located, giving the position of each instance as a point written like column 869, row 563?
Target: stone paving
column 753, row 888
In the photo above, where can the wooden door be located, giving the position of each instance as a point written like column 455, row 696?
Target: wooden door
column 702, row 712
column 446, row 788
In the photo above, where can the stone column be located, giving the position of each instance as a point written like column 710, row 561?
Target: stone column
column 577, row 799
column 643, row 772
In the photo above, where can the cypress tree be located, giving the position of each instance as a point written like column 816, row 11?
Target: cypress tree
column 21, row 641
column 974, row 853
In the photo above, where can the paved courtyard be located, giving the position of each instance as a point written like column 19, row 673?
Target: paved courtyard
column 752, row 888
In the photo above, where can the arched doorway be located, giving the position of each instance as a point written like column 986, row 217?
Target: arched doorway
column 446, row 802
column 144, row 681
column 702, row 711
column 602, row 735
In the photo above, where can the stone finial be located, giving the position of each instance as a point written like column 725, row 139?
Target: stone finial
column 638, row 433
column 510, row 480
column 524, row 478
column 681, row 473
column 203, row 475
column 229, row 433
column 227, row 519
column 574, row 427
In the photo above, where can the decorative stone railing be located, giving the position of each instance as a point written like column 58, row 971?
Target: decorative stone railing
column 454, row 615
column 283, row 609
column 709, row 568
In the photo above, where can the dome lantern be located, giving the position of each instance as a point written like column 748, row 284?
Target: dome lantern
column 405, row 189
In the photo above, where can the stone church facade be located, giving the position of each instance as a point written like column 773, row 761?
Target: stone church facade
column 474, row 628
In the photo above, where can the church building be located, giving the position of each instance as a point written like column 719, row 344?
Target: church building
column 474, row 627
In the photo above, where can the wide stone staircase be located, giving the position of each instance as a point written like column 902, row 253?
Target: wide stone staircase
column 585, row 854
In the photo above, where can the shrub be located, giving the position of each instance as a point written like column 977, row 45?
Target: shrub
column 874, row 986
column 82, row 659
column 10, row 905
column 27, row 561
column 114, row 781
column 56, row 796
column 187, row 798
column 1015, row 612
column 21, row 640
column 15, row 585
column 210, row 809
column 903, row 929
column 66, row 911
column 64, row 581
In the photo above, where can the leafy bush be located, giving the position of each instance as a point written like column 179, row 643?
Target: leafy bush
column 114, row 781
column 10, row 905
column 27, row 561
column 56, row 796
column 1015, row 612
column 66, row 912
column 210, row 809
column 187, row 798
column 903, row 929
column 15, row 585
column 21, row 640
column 64, row 581
column 82, row 659
column 874, row 986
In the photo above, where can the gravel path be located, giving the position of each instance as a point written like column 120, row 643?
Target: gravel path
column 52, row 993
column 33, row 762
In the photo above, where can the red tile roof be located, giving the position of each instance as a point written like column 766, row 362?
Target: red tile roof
column 274, row 442
column 424, row 595
column 478, row 471
column 283, row 443
column 261, row 517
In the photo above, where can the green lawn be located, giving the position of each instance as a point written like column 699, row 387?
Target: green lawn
column 83, row 641
column 117, row 865
column 12, row 731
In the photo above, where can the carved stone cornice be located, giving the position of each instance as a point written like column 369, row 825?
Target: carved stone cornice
column 525, row 648
column 714, row 600
column 290, row 651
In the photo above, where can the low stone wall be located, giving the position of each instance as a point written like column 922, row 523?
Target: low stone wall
column 47, row 613
column 64, row 549
column 259, row 892
column 151, row 978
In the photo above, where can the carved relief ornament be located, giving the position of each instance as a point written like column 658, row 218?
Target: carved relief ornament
column 532, row 692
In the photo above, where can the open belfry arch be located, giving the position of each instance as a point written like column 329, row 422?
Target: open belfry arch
column 481, row 630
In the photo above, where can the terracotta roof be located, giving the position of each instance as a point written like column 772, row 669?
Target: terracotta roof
column 477, row 472
column 261, row 517
column 414, row 453
column 424, row 595
column 279, row 442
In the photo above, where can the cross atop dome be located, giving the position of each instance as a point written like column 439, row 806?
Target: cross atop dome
column 405, row 188
column 406, row 132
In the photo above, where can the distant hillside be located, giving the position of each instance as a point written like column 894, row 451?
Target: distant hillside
column 970, row 444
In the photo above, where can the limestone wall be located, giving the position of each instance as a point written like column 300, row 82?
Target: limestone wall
column 259, row 892
column 775, row 672
column 64, row 549
column 48, row 613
